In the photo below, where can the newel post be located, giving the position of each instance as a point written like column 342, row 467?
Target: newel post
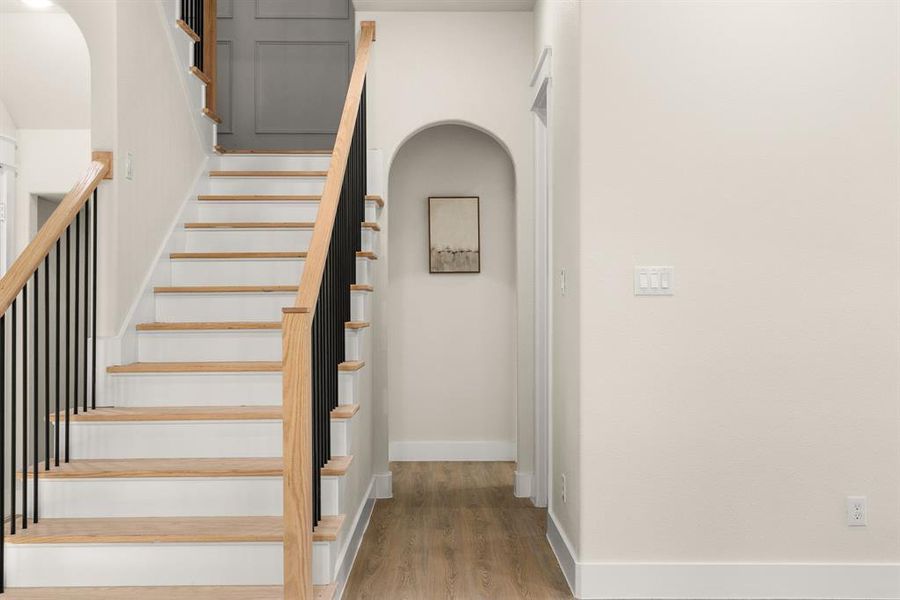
column 297, row 438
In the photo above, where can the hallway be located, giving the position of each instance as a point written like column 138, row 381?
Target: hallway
column 454, row 530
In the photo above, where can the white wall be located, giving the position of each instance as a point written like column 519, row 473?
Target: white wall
column 452, row 337
column 50, row 161
column 430, row 68
column 755, row 147
column 557, row 26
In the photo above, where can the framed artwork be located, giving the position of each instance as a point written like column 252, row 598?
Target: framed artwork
column 454, row 234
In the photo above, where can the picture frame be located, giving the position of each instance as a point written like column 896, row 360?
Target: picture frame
column 454, row 234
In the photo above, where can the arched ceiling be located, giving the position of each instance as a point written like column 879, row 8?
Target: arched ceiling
column 44, row 68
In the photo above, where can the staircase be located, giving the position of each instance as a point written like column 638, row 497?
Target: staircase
column 179, row 482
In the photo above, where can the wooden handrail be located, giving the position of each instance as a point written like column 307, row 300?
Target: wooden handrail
column 210, row 10
column 297, row 348
column 30, row 258
column 311, row 279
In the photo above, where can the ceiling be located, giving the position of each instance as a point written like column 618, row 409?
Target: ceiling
column 44, row 68
column 446, row 5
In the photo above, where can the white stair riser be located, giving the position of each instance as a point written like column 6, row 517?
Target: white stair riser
column 266, row 185
column 262, row 306
column 161, row 497
column 269, row 162
column 364, row 268
column 248, row 240
column 255, row 210
column 369, row 241
column 144, row 564
column 190, row 439
column 237, row 211
column 333, row 489
column 281, row 271
column 227, row 345
column 196, row 389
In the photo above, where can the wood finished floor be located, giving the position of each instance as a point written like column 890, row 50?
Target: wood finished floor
column 454, row 530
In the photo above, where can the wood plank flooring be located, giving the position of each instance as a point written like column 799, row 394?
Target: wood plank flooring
column 455, row 531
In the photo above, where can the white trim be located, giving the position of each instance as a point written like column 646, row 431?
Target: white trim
column 543, row 281
column 722, row 581
column 384, row 485
column 522, row 484
column 348, row 554
column 453, row 451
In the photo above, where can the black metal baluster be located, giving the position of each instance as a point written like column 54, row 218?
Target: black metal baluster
column 13, row 425
column 25, row 406
column 84, row 308
column 47, row 362
column 35, row 417
column 94, row 304
column 56, row 423
column 77, row 296
column 68, row 345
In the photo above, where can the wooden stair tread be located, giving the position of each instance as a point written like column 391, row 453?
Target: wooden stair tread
column 366, row 254
column 125, row 530
column 228, row 325
column 189, row 592
column 351, row 365
column 258, row 198
column 371, row 225
column 169, row 467
column 376, row 199
column 362, row 287
column 200, row 75
column 247, row 366
column 268, row 173
column 207, row 112
column 112, row 414
column 236, row 255
column 182, row 24
column 337, row 466
column 345, row 411
column 252, row 225
column 267, row 151
column 209, row 326
column 222, row 289
column 179, row 413
column 151, row 530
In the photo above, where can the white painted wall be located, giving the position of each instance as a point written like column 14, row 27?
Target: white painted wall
column 434, row 67
column 557, row 26
column 755, row 147
column 452, row 337
column 50, row 161
column 44, row 70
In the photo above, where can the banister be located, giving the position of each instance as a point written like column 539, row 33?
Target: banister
column 30, row 258
column 297, row 341
column 311, row 279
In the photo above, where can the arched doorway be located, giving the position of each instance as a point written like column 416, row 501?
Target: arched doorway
column 452, row 336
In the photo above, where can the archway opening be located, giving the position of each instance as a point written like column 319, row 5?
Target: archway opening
column 451, row 336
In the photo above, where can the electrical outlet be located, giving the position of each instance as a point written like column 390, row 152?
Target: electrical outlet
column 856, row 511
column 564, row 492
column 563, row 284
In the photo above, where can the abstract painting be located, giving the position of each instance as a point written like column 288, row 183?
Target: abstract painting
column 454, row 235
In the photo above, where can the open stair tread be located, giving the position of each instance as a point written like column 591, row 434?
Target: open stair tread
column 194, row 413
column 124, row 468
column 117, row 468
column 268, row 173
column 247, row 366
column 166, row 530
column 227, row 325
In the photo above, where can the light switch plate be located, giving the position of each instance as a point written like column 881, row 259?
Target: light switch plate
column 129, row 166
column 654, row 281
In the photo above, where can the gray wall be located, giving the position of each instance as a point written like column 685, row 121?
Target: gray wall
column 283, row 68
column 452, row 337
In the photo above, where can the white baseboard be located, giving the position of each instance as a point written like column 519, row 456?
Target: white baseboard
column 354, row 541
column 522, row 484
column 453, row 451
column 722, row 581
column 384, row 485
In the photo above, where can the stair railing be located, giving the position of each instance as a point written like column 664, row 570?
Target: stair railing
column 198, row 20
column 48, row 347
column 313, row 329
